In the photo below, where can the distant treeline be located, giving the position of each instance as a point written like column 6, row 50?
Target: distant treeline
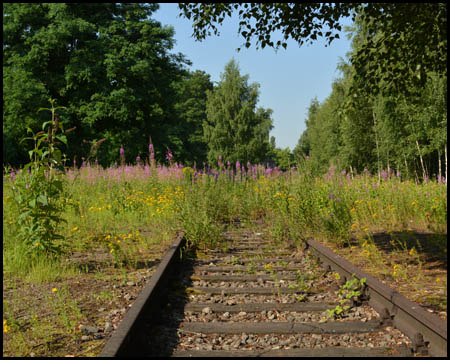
column 110, row 65
column 405, row 131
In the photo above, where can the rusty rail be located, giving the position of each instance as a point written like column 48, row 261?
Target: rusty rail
column 420, row 326
column 427, row 332
column 146, row 304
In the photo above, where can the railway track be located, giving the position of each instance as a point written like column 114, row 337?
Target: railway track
column 260, row 299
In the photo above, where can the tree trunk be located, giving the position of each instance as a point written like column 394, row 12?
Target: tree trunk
column 446, row 163
column 421, row 160
column 406, row 165
column 376, row 142
column 439, row 165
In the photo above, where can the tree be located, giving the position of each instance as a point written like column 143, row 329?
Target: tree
column 411, row 38
column 283, row 158
column 107, row 63
column 235, row 129
column 303, row 147
column 191, row 110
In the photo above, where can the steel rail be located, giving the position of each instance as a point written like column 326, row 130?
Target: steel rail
column 419, row 325
column 146, row 305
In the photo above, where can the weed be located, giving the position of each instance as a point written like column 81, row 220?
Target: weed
column 350, row 291
column 39, row 190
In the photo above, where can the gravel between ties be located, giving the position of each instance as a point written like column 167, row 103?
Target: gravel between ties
column 169, row 337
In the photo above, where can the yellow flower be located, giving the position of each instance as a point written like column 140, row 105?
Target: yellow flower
column 75, row 228
column 107, row 237
column 54, row 290
column 5, row 326
column 412, row 252
column 111, row 251
column 438, row 279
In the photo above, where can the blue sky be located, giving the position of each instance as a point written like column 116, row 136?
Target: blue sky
column 289, row 79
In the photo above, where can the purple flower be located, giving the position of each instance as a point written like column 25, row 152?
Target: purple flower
column 219, row 162
column 122, row 156
column 13, row 175
column 343, row 172
column 138, row 160
column 169, row 155
column 308, row 157
column 384, row 174
column 151, row 151
column 238, row 165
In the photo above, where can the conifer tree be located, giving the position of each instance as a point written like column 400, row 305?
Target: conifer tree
column 235, row 129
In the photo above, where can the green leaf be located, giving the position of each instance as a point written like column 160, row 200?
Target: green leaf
column 62, row 138
column 45, row 124
column 42, row 199
column 32, row 203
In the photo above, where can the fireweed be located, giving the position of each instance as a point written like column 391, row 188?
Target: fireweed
column 39, row 190
column 294, row 204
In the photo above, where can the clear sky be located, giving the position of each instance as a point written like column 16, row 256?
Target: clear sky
column 289, row 79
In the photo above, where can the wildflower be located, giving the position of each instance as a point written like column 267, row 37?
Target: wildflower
column 111, row 251
column 138, row 160
column 412, row 252
column 169, row 155
column 74, row 229
column 122, row 155
column 54, row 290
column 5, row 326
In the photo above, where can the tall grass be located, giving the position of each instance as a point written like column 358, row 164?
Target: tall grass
column 122, row 208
